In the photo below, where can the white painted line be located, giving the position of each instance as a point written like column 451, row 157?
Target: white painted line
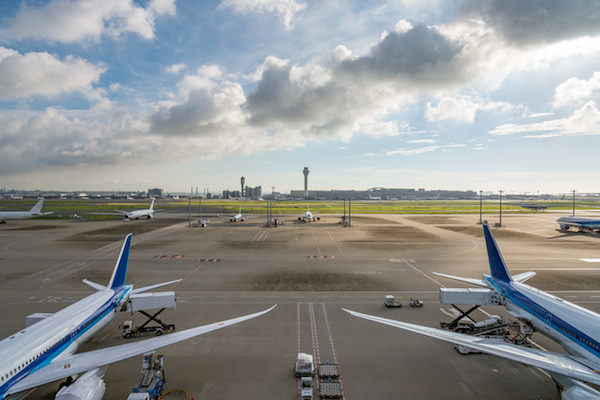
column 590, row 260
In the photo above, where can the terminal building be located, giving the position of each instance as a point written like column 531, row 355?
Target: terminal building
column 387, row 194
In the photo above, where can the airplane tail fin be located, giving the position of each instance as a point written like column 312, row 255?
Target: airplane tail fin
column 37, row 208
column 120, row 272
column 497, row 265
column 152, row 205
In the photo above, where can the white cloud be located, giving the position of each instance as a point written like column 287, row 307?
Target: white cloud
column 24, row 75
column 71, row 21
column 421, row 150
column 430, row 141
column 573, row 91
column 583, row 121
column 285, row 9
column 402, row 26
column 461, row 109
column 175, row 68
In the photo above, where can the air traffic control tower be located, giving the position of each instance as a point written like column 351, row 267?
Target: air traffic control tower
column 305, row 172
column 243, row 182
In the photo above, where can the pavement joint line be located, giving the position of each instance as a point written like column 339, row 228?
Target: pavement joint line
column 336, row 243
column 316, row 244
column 313, row 327
column 423, row 273
column 298, row 379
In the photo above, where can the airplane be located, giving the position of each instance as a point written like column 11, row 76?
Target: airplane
column 534, row 206
column 45, row 352
column 237, row 217
column 582, row 223
column 308, row 217
column 36, row 211
column 137, row 214
column 575, row 328
column 374, row 197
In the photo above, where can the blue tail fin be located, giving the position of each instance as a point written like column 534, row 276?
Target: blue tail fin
column 497, row 265
column 118, row 277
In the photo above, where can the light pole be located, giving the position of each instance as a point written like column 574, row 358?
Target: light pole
column 480, row 206
column 501, row 208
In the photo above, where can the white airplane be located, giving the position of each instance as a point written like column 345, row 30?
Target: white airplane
column 374, row 197
column 36, row 211
column 575, row 328
column 44, row 352
column 137, row 214
column 583, row 224
column 308, row 217
column 237, row 217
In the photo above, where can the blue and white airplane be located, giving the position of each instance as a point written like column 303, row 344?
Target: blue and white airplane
column 575, row 328
column 308, row 216
column 582, row 224
column 44, row 352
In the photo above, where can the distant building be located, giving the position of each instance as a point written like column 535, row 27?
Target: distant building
column 155, row 192
column 228, row 194
column 253, row 192
column 386, row 194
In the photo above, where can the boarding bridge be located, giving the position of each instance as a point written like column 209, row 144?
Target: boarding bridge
column 475, row 297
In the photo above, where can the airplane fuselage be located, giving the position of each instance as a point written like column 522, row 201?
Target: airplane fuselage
column 6, row 215
column 575, row 328
column 58, row 335
column 577, row 222
column 140, row 214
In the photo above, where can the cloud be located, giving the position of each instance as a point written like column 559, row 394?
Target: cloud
column 461, row 109
column 421, row 150
column 420, row 56
column 41, row 73
column 430, row 141
column 583, row 121
column 540, row 21
column 574, row 90
column 175, row 68
column 285, row 9
column 70, row 21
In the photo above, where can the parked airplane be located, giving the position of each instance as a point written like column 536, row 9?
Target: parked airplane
column 575, row 328
column 582, row 223
column 44, row 352
column 308, row 217
column 374, row 197
column 137, row 214
column 36, row 211
column 237, row 217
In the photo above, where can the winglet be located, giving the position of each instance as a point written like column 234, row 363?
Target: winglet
column 120, row 272
column 152, row 205
column 497, row 264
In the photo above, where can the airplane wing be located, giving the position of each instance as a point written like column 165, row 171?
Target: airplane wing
column 122, row 212
column 78, row 363
column 553, row 362
column 477, row 282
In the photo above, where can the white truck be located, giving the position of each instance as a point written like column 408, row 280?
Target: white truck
column 304, row 365
column 306, row 388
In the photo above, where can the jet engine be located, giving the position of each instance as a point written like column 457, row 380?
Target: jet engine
column 89, row 386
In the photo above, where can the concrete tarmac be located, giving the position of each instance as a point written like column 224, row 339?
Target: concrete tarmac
column 311, row 270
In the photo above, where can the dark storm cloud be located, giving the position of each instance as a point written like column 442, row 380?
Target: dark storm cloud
column 538, row 21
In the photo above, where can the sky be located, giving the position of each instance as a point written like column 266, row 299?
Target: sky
column 466, row 94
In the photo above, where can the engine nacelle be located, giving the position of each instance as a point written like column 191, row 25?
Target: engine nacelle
column 89, row 386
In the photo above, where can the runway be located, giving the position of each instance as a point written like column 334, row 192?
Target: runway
column 311, row 270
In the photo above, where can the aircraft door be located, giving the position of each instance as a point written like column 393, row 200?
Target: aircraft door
column 548, row 321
